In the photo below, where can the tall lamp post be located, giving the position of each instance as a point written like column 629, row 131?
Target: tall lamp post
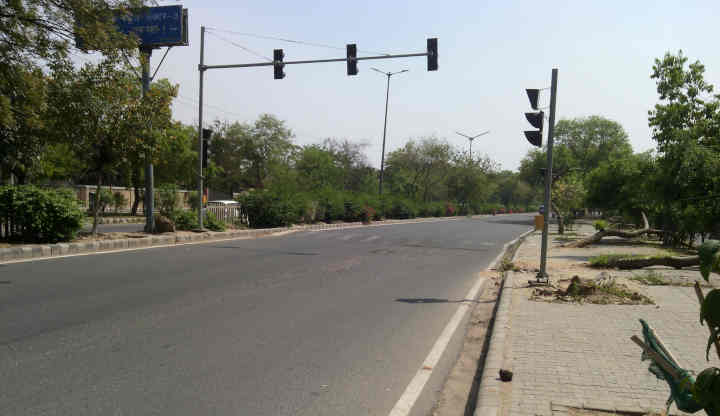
column 471, row 138
column 387, row 99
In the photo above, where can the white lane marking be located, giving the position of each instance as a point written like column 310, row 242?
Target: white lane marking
column 413, row 390
column 371, row 238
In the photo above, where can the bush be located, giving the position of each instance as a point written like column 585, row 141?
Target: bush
column 267, row 208
column 600, row 225
column 450, row 209
column 212, row 223
column 185, row 220
column 166, row 199
column 106, row 198
column 401, row 209
column 39, row 216
column 119, row 200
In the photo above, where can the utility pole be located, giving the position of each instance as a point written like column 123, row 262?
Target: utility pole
column 542, row 275
column 387, row 99
column 471, row 138
column 201, row 68
column 145, row 54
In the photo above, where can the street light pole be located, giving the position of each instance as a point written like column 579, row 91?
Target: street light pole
column 471, row 138
column 387, row 99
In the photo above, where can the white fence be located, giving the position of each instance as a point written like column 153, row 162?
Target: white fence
column 229, row 213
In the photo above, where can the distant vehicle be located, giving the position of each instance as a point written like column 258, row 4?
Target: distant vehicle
column 222, row 202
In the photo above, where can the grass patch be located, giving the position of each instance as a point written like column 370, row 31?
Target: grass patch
column 650, row 278
column 507, row 265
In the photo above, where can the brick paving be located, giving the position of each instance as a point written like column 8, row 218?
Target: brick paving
column 581, row 355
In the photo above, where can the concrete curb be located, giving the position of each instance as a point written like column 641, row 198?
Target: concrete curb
column 18, row 253
column 488, row 399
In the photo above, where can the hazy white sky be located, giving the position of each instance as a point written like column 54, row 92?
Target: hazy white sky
column 490, row 51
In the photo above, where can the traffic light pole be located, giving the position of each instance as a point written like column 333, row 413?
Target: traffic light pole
column 148, row 204
column 432, row 65
column 200, row 128
column 542, row 275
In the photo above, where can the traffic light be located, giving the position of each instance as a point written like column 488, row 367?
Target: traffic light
column 278, row 64
column 536, row 120
column 206, row 134
column 432, row 57
column 533, row 95
column 351, row 50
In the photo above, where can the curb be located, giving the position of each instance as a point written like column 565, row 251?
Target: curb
column 26, row 252
column 488, row 398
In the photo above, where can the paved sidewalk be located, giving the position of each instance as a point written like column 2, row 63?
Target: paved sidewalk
column 581, row 355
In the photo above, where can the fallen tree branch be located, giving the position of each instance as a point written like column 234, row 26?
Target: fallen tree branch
column 614, row 233
column 630, row 263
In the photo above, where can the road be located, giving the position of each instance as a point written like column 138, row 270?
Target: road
column 117, row 228
column 308, row 323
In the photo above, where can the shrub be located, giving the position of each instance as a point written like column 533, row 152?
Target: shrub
column 185, row 220
column 450, row 209
column 119, row 200
column 212, row 223
column 600, row 225
column 39, row 216
column 401, row 209
column 166, row 199
column 267, row 208
column 106, row 198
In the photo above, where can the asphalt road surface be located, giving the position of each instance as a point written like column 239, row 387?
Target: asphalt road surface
column 308, row 323
column 117, row 228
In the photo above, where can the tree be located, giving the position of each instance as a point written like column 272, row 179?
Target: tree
column 568, row 195
column 22, row 108
column 685, row 126
column 624, row 185
column 420, row 168
column 98, row 111
column 591, row 140
column 33, row 32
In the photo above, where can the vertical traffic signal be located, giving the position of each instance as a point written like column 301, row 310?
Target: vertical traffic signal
column 206, row 133
column 432, row 57
column 278, row 64
column 351, row 50
column 535, row 119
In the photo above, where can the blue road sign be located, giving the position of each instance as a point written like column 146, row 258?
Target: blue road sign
column 156, row 26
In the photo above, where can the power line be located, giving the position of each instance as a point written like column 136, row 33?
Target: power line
column 299, row 42
column 246, row 49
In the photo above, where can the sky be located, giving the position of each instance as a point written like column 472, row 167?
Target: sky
column 489, row 52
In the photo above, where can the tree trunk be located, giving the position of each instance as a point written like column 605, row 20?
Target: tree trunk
column 561, row 223
column 96, row 204
column 614, row 233
column 638, row 263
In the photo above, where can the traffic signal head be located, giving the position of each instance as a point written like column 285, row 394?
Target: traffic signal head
column 206, row 134
column 278, row 64
column 534, row 137
column 432, row 57
column 536, row 119
column 351, row 50
column 533, row 95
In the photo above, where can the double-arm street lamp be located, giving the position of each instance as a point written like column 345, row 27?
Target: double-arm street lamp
column 387, row 98
column 471, row 138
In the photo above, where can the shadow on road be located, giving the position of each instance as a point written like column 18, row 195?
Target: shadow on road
column 261, row 251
